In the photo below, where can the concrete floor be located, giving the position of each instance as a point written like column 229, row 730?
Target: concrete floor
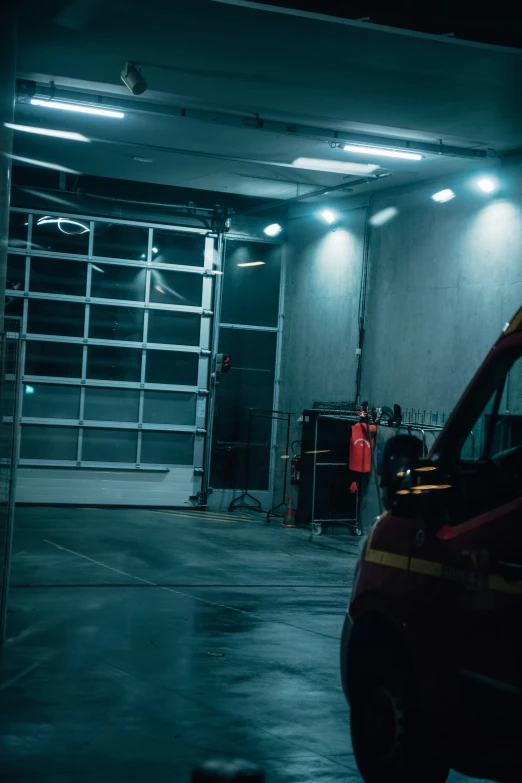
column 106, row 674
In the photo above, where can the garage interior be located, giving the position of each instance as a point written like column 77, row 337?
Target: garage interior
column 302, row 208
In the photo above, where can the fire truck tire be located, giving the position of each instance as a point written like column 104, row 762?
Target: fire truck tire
column 388, row 736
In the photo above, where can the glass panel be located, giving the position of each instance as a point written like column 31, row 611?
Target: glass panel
column 176, row 288
column 60, row 359
column 15, row 272
column 14, row 306
column 58, row 276
column 60, row 234
column 52, row 317
column 111, row 281
column 250, row 383
column 111, row 363
column 173, row 328
column 171, row 247
column 53, row 443
column 169, row 407
column 18, row 229
column 110, row 322
column 167, row 448
column 251, row 293
column 113, row 240
column 109, row 445
column 173, row 367
column 51, row 401
column 111, row 404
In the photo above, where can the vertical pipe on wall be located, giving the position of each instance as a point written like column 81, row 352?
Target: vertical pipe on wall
column 363, row 296
column 7, row 98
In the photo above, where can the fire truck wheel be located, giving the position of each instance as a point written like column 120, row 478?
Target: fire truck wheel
column 389, row 741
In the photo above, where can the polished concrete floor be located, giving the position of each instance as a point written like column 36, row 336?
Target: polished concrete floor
column 142, row 643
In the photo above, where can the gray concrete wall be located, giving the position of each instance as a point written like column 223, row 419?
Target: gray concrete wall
column 320, row 334
column 444, row 279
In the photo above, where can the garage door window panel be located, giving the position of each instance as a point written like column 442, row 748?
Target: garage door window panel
column 251, row 283
column 167, row 448
column 176, row 288
column 169, row 407
column 169, row 247
column 113, row 322
column 50, row 443
column 114, row 281
column 112, row 363
column 116, row 240
column 60, row 235
column 53, row 359
column 100, row 445
column 105, row 404
column 172, row 367
column 58, row 276
column 57, row 318
column 51, row 401
column 173, row 328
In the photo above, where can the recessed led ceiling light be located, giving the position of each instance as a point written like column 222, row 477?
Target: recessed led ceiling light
column 81, row 108
column 335, row 166
column 443, row 195
column 58, row 134
column 328, row 215
column 273, row 230
column 487, row 184
column 385, row 152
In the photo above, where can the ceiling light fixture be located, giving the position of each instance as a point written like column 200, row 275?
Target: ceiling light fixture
column 58, row 134
column 487, row 184
column 64, row 223
column 253, row 263
column 42, row 164
column 329, row 216
column 273, row 230
column 335, row 166
column 132, row 78
column 154, row 249
column 443, row 195
column 385, row 152
column 82, row 108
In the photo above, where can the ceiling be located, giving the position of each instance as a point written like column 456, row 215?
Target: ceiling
column 236, row 94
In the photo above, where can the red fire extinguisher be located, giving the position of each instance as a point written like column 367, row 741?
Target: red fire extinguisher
column 295, row 465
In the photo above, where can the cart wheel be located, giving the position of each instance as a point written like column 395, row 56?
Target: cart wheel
column 357, row 531
column 317, row 529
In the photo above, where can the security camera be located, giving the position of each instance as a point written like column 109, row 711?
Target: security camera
column 132, row 78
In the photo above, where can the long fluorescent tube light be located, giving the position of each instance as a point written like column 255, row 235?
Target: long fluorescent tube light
column 384, row 152
column 77, row 107
column 253, row 263
column 59, row 134
column 335, row 166
column 42, row 164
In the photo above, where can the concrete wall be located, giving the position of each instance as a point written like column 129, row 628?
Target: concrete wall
column 444, row 280
column 320, row 333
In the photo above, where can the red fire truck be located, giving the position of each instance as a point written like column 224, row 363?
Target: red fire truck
column 431, row 653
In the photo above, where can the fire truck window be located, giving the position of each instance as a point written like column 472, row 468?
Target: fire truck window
column 475, row 445
column 507, row 427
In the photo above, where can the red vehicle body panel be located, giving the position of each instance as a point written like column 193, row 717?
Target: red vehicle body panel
column 458, row 613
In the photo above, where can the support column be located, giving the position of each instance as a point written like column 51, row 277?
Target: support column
column 7, row 99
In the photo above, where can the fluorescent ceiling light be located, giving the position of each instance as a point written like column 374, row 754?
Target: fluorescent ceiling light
column 59, row 134
column 64, row 223
column 42, row 164
column 334, row 166
column 384, row 152
column 328, row 215
column 273, row 230
column 253, row 263
column 487, row 184
column 443, row 195
column 82, row 108
column 383, row 216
